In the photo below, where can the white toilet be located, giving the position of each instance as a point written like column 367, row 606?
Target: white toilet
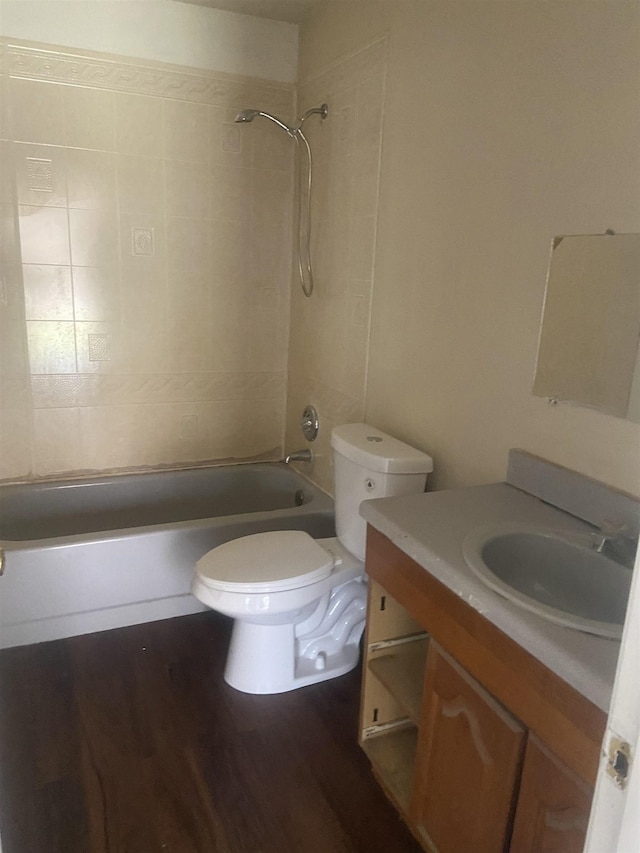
column 299, row 603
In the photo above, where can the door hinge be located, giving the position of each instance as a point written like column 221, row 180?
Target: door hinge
column 619, row 761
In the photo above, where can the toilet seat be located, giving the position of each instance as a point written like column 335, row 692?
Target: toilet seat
column 265, row 562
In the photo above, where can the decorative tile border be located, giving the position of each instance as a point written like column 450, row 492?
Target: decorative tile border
column 337, row 406
column 102, row 71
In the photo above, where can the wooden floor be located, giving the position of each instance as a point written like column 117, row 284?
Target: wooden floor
column 129, row 741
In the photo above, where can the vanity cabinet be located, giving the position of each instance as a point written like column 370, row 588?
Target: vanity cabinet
column 470, row 751
column 481, row 747
column 553, row 805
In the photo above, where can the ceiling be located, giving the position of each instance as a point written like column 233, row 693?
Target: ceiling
column 277, row 10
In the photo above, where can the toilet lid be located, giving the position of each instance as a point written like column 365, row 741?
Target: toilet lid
column 265, row 562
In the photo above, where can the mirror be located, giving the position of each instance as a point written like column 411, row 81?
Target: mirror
column 589, row 351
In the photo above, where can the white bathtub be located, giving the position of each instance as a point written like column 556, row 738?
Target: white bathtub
column 91, row 554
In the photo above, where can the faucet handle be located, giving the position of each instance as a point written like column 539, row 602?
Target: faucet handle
column 607, row 532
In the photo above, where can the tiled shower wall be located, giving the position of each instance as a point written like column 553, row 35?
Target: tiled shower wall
column 329, row 342
column 146, row 254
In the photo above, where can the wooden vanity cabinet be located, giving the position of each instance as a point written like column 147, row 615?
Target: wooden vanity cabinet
column 480, row 747
column 468, row 763
column 553, row 805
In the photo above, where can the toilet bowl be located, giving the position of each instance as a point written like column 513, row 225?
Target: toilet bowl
column 298, row 603
column 299, row 608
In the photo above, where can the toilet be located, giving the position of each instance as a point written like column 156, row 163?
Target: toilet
column 299, row 603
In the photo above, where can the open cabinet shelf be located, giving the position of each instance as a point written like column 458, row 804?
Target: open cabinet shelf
column 400, row 668
column 392, row 756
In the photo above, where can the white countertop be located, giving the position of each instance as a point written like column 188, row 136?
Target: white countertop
column 431, row 527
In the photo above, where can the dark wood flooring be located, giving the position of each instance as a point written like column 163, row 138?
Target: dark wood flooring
column 129, row 741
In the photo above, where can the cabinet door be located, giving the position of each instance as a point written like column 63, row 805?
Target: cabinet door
column 553, row 806
column 467, row 763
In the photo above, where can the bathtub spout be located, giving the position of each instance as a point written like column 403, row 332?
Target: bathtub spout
column 299, row 456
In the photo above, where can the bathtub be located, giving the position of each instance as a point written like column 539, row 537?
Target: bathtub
column 92, row 554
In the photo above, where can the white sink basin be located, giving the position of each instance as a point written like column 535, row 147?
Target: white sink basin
column 553, row 574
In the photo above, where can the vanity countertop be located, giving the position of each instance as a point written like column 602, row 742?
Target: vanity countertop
column 430, row 529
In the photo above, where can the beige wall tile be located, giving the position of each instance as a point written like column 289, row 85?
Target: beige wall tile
column 15, row 443
column 143, row 243
column 7, row 172
column 11, row 298
column 90, row 118
column 189, row 347
column 362, row 239
column 44, row 235
column 157, row 262
column 125, row 436
column 40, row 174
column 37, row 111
column 328, row 346
column 138, row 125
column 146, row 348
column 96, row 293
column 273, row 148
column 13, row 347
column 140, row 184
column 188, row 245
column 94, row 237
column 57, row 441
column 47, row 292
column 91, row 180
column 186, row 132
column 369, row 111
column 237, row 434
column 190, row 430
column 230, row 246
column 5, row 130
column 11, row 292
column 189, row 297
column 231, row 142
column 231, row 190
column 144, row 280
column 144, row 302
column 52, row 346
column 97, row 347
column 188, row 189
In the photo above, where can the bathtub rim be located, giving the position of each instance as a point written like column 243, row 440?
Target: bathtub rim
column 320, row 503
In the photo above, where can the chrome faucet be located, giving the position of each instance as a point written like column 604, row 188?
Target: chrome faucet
column 614, row 542
column 299, row 456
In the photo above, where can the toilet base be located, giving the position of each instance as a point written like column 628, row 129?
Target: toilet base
column 272, row 659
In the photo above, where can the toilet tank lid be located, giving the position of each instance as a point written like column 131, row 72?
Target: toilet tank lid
column 266, row 562
column 377, row 451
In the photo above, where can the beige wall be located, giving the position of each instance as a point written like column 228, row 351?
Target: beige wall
column 144, row 316
column 505, row 124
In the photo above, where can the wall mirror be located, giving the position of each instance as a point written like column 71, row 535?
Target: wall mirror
column 589, row 351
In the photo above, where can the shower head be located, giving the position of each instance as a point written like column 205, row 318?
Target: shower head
column 304, row 199
column 249, row 115
column 245, row 116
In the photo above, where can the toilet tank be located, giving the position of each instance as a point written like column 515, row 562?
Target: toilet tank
column 370, row 464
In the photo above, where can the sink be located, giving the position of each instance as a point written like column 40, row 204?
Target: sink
column 556, row 574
